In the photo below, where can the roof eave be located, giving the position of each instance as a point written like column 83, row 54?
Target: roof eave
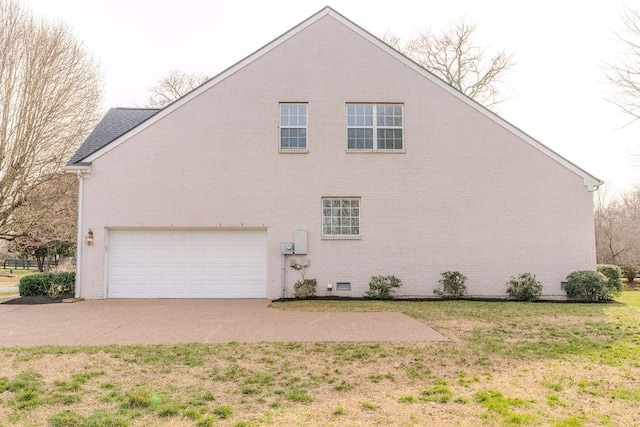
column 80, row 168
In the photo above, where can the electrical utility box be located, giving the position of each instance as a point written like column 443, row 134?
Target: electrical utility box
column 300, row 242
column 286, row 248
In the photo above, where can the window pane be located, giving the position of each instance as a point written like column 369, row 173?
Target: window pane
column 293, row 114
column 381, row 115
column 389, row 139
column 293, row 137
column 389, row 115
column 351, row 139
column 340, row 217
column 368, row 117
column 397, row 115
column 360, row 139
column 351, row 115
column 359, row 115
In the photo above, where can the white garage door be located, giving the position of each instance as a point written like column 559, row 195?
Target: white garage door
column 187, row 264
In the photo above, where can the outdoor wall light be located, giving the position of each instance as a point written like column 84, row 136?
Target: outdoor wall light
column 89, row 239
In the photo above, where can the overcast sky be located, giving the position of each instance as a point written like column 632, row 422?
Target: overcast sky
column 557, row 86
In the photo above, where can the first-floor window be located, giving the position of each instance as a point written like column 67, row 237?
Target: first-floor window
column 341, row 216
column 293, row 126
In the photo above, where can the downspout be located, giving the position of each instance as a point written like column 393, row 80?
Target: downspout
column 79, row 241
column 284, row 276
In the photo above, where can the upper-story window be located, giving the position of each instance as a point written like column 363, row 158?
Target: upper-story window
column 374, row 127
column 293, row 127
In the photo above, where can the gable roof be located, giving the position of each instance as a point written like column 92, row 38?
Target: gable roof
column 115, row 123
column 88, row 155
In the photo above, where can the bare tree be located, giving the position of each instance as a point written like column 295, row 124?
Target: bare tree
column 396, row 42
column 173, row 86
column 624, row 75
column 50, row 222
column 453, row 56
column 617, row 224
column 49, row 99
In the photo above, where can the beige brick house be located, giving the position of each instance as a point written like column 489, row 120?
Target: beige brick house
column 328, row 139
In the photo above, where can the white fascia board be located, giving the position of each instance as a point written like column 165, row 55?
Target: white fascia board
column 209, row 84
column 590, row 181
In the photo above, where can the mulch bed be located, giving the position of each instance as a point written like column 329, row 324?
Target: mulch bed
column 39, row 299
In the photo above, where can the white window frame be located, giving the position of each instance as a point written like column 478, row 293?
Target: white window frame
column 359, row 216
column 282, row 149
column 374, row 128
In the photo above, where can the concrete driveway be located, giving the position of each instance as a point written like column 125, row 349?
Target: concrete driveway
column 169, row 321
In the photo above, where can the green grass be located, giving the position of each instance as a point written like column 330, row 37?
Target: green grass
column 505, row 364
column 13, row 281
column 19, row 273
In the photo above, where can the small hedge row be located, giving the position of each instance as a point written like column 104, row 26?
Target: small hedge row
column 40, row 283
column 601, row 285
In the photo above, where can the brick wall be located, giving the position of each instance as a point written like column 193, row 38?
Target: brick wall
column 466, row 194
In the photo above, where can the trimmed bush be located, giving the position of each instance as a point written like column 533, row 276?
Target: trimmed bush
column 381, row 287
column 525, row 287
column 305, row 288
column 589, row 285
column 453, row 286
column 40, row 283
column 630, row 271
column 613, row 273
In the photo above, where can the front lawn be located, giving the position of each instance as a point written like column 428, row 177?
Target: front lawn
column 18, row 273
column 506, row 364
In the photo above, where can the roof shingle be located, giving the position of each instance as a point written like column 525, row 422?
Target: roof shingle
column 115, row 123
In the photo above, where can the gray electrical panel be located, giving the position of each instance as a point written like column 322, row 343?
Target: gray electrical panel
column 286, row 248
column 300, row 242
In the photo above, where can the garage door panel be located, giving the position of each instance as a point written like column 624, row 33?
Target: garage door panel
column 187, row 264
